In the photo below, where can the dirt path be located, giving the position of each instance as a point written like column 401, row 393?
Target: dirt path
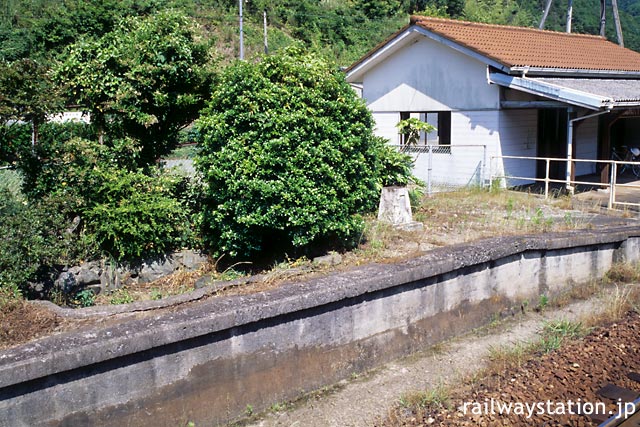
column 362, row 401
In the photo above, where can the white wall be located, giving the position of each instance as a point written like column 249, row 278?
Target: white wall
column 465, row 162
column 70, row 116
column 386, row 125
column 429, row 76
column 503, row 132
column 586, row 145
column 518, row 137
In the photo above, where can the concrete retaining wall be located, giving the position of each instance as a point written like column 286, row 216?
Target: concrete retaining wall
column 205, row 361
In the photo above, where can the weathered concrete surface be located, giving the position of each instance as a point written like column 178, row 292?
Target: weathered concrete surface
column 395, row 206
column 207, row 360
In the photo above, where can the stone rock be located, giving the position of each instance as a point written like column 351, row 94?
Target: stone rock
column 395, row 206
column 329, row 259
column 96, row 289
column 207, row 281
column 412, row 226
column 411, row 246
column 203, row 281
column 155, row 270
column 191, row 260
column 427, row 246
column 66, row 282
column 88, row 273
column 110, row 278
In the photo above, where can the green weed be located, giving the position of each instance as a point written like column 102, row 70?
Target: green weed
column 543, row 302
column 432, row 399
column 121, row 296
column 86, row 298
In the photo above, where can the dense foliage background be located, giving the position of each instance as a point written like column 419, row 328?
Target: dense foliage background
column 342, row 29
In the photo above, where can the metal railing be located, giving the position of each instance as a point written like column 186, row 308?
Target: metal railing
column 447, row 167
column 498, row 173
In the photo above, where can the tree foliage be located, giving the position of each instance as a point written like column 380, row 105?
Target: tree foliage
column 505, row 12
column 121, row 211
column 42, row 28
column 344, row 30
column 33, row 239
column 412, row 128
column 289, row 156
column 26, row 94
column 149, row 77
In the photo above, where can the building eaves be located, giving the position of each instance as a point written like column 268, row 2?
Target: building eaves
column 520, row 50
column 554, row 92
column 619, row 90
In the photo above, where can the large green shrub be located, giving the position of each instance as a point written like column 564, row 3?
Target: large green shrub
column 127, row 213
column 289, row 156
column 34, row 238
column 150, row 76
column 136, row 216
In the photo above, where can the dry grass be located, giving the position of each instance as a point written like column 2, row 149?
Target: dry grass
column 503, row 358
column 466, row 215
column 174, row 284
column 21, row 322
column 476, row 213
column 618, row 301
column 576, row 292
column 622, row 273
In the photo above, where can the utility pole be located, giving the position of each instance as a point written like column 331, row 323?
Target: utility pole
column 616, row 18
column 602, row 18
column 266, row 44
column 545, row 14
column 241, row 31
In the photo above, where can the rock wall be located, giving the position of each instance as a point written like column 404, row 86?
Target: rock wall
column 103, row 275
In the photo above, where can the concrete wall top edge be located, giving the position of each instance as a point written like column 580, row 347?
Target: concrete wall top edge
column 67, row 351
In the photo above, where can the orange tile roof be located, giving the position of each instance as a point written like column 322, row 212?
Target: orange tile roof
column 521, row 47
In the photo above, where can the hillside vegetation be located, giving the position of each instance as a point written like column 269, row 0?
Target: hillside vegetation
column 342, row 30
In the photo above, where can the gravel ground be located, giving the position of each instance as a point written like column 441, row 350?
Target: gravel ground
column 573, row 374
column 373, row 399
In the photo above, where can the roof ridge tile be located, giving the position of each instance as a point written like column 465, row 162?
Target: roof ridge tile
column 414, row 20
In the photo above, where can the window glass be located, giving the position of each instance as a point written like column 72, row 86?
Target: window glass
column 441, row 120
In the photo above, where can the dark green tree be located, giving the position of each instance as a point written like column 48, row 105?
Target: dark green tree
column 41, row 29
column 374, row 9
column 150, row 77
column 26, row 94
column 289, row 157
column 455, row 8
